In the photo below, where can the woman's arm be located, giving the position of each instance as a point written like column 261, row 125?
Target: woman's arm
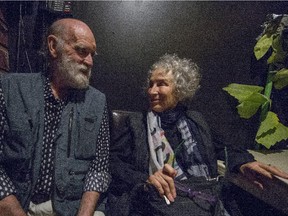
column 124, row 172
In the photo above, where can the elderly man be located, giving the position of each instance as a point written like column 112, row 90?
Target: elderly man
column 54, row 132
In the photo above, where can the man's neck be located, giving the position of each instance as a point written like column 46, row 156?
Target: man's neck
column 57, row 91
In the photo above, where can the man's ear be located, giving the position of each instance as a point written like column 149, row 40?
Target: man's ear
column 52, row 43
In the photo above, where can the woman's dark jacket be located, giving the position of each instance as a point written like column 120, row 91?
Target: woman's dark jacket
column 130, row 156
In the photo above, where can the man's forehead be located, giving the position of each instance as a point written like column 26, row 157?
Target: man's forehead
column 81, row 37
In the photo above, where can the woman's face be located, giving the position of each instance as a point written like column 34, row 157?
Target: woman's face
column 161, row 91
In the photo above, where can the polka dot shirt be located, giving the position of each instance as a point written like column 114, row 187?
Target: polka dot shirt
column 53, row 110
column 97, row 178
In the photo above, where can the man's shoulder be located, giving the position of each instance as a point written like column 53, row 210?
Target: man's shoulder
column 16, row 75
column 92, row 96
column 93, row 90
column 20, row 76
column 22, row 80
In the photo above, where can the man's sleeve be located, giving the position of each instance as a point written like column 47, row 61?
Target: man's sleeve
column 98, row 177
column 6, row 186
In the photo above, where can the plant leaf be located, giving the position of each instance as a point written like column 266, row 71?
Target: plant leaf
column 273, row 136
column 241, row 92
column 269, row 123
column 262, row 46
column 271, row 131
column 280, row 79
column 278, row 54
column 251, row 104
column 272, row 58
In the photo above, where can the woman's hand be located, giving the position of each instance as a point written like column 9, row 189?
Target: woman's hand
column 258, row 172
column 163, row 180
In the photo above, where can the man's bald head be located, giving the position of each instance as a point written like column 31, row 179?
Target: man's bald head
column 71, row 45
column 65, row 28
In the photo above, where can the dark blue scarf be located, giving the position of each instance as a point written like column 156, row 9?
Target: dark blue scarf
column 191, row 157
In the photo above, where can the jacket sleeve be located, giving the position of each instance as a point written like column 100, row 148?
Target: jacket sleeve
column 125, row 175
column 232, row 155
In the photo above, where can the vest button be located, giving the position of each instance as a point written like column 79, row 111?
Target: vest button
column 61, row 190
column 71, row 172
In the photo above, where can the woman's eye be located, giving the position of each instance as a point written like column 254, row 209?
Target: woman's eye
column 158, row 84
column 162, row 84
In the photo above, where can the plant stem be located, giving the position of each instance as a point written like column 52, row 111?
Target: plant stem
column 267, row 92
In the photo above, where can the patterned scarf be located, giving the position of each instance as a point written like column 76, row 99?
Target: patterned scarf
column 161, row 151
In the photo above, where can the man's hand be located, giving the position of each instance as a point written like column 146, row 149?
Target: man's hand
column 163, row 180
column 258, row 172
column 11, row 206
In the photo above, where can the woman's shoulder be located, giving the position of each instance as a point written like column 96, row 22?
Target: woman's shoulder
column 121, row 117
column 194, row 114
column 197, row 117
column 127, row 114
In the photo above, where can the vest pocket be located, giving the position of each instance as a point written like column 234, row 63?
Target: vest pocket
column 19, row 136
column 86, row 146
column 72, row 182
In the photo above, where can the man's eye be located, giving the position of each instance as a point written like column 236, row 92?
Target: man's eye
column 81, row 51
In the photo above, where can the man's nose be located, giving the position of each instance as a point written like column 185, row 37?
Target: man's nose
column 88, row 60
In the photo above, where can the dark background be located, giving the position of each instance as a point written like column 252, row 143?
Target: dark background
column 131, row 35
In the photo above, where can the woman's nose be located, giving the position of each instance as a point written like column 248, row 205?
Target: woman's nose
column 153, row 89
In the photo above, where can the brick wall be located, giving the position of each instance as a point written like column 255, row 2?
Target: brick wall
column 4, row 55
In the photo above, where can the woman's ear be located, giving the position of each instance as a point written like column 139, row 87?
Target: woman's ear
column 52, row 43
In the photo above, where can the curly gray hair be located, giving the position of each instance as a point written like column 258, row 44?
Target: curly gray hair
column 185, row 72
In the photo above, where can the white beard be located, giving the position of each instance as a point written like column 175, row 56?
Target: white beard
column 72, row 74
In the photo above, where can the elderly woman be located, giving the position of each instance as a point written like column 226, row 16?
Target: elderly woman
column 169, row 143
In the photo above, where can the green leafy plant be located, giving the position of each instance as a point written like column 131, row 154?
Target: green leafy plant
column 272, row 44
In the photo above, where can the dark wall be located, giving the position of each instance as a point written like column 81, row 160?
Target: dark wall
column 218, row 36
column 27, row 23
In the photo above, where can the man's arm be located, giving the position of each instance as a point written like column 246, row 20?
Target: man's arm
column 98, row 177
column 9, row 205
column 88, row 203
